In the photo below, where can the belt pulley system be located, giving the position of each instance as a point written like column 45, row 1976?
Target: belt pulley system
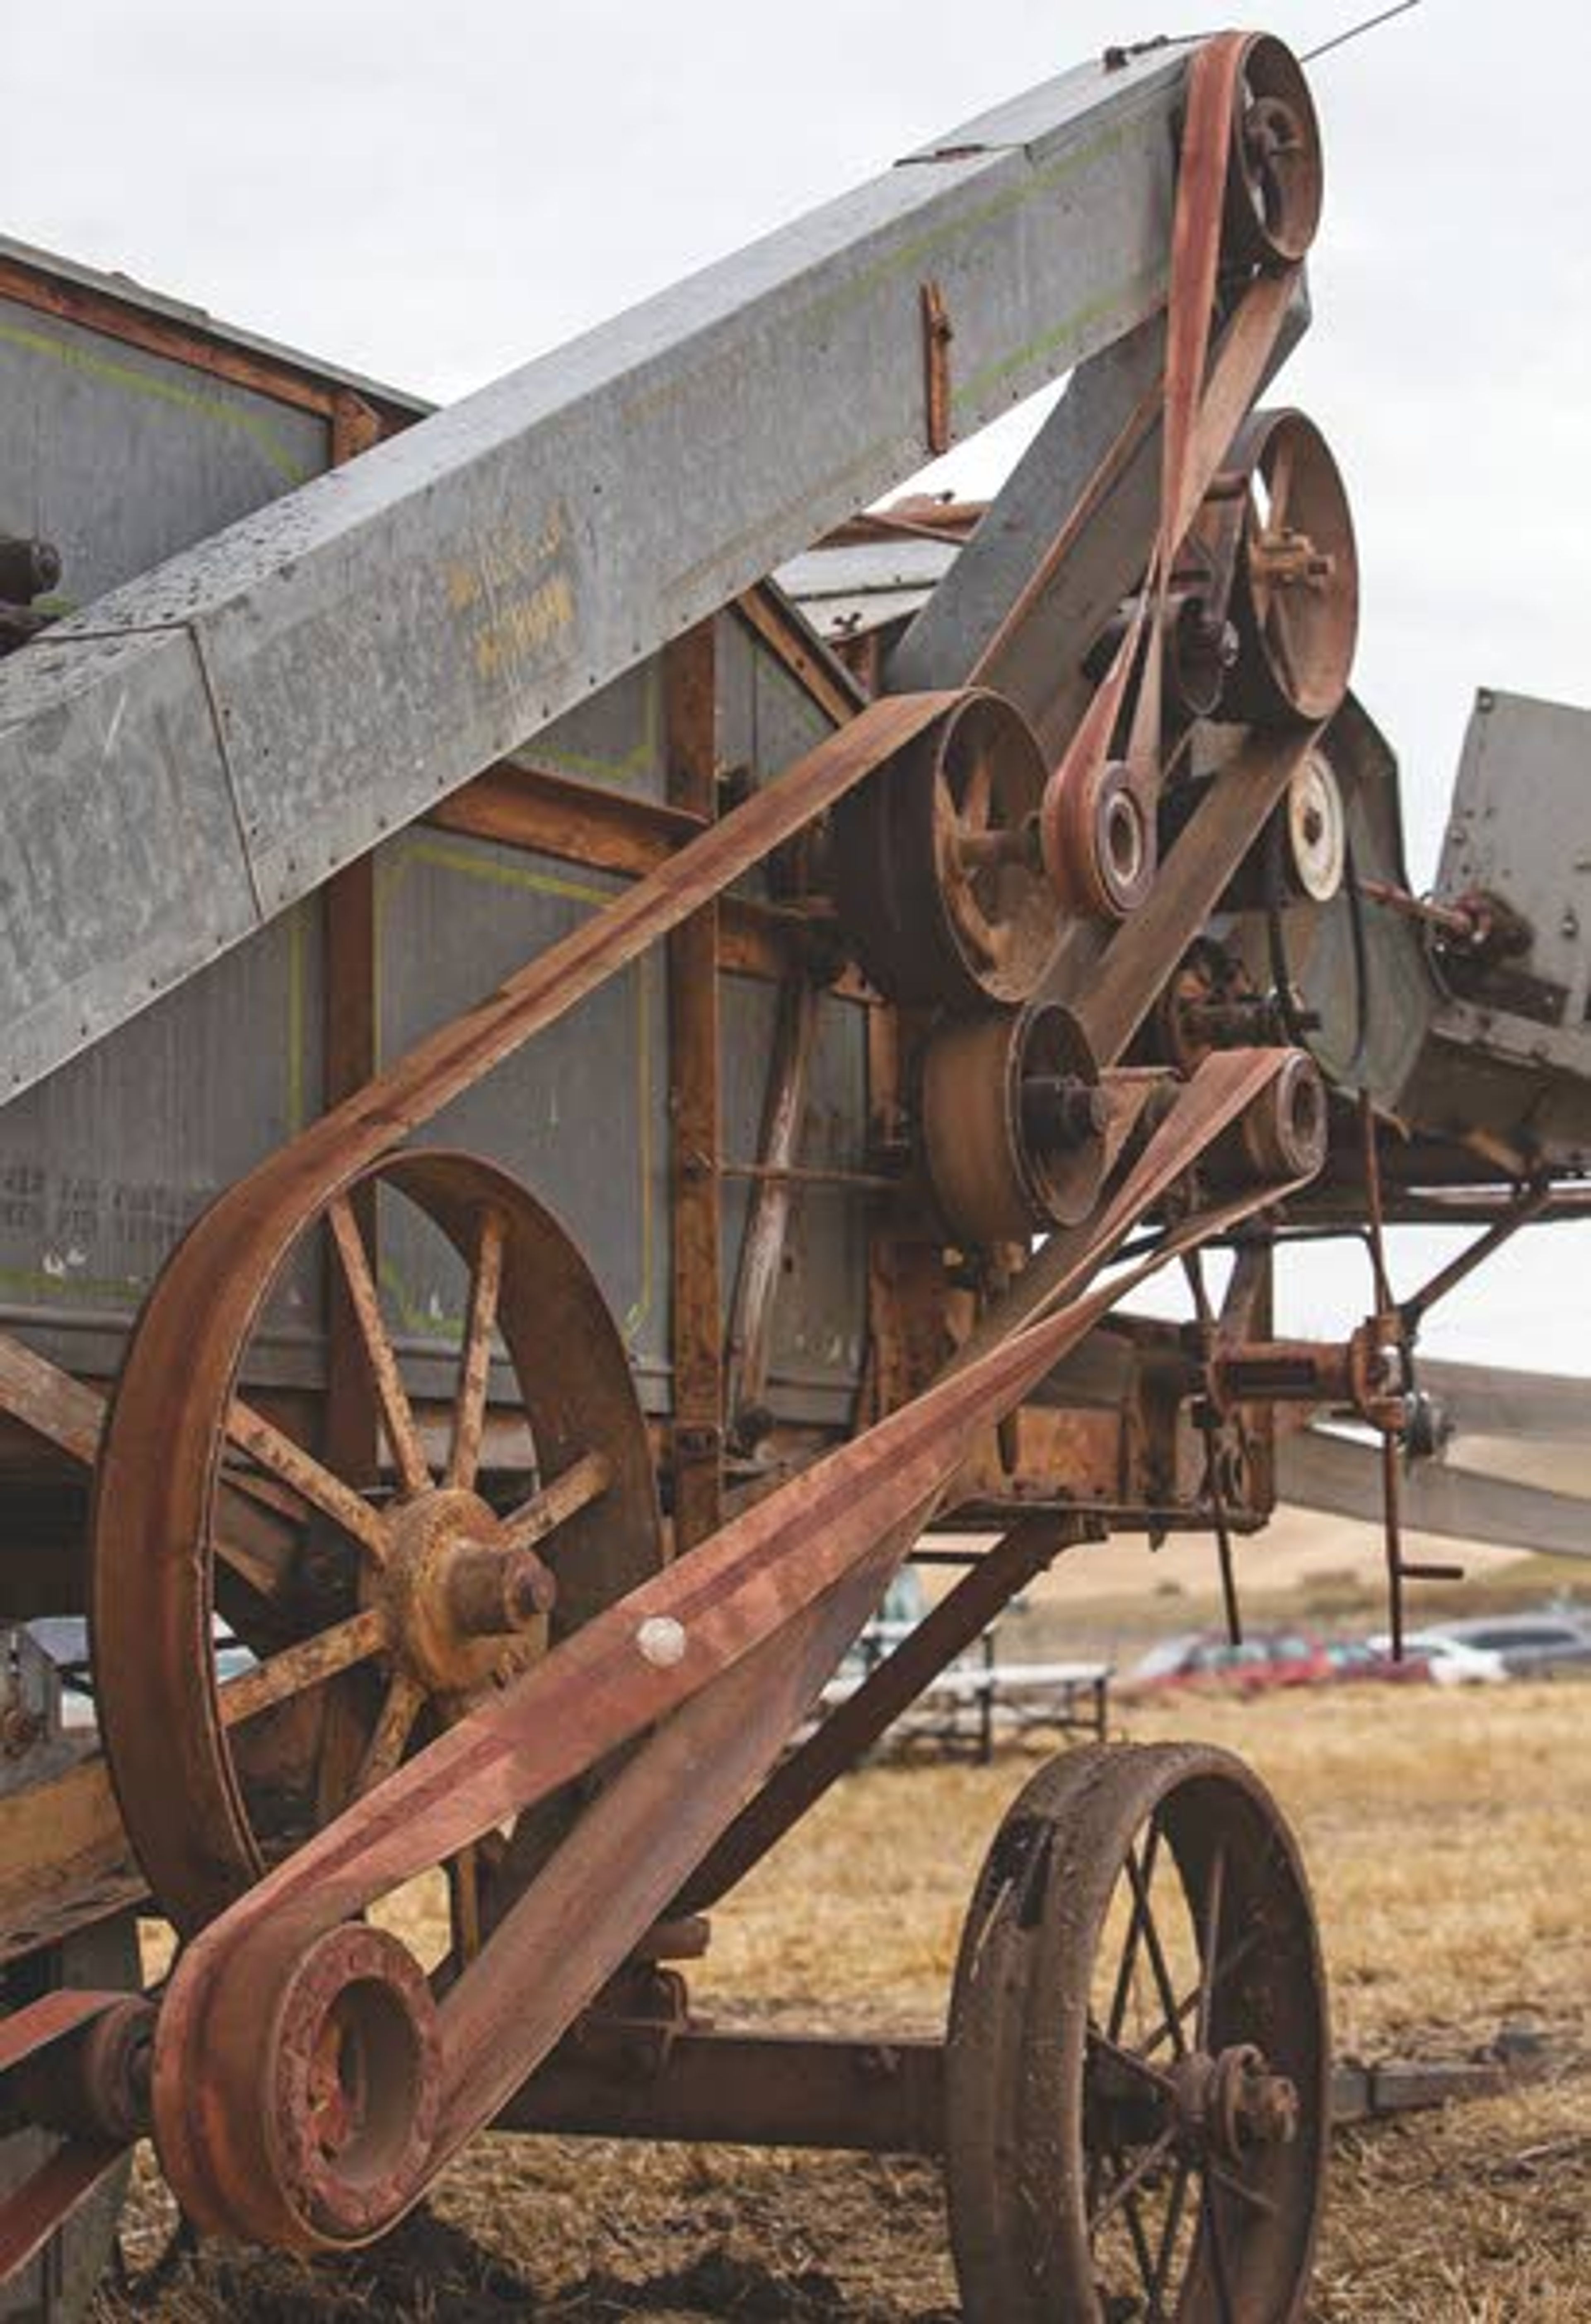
column 595, row 1718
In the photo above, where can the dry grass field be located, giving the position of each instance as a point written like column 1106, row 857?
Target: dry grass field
column 1449, row 1836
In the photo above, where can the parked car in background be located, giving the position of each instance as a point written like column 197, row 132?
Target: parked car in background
column 1529, row 1645
column 1268, row 1660
column 1362, row 1658
column 1449, row 1661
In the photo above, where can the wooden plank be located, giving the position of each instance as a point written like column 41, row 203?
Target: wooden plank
column 690, row 716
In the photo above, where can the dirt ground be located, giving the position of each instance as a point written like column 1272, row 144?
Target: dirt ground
column 1447, row 1838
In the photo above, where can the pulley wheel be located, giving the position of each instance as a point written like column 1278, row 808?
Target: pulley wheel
column 1276, row 181
column 938, row 877
column 1099, row 843
column 1138, row 2059
column 382, row 1597
column 1295, row 595
column 1014, row 1124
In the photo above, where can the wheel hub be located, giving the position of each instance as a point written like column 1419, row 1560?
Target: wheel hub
column 1232, row 2102
column 464, row 1607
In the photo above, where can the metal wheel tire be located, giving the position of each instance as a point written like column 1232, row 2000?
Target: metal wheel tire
column 381, row 1604
column 1128, row 2136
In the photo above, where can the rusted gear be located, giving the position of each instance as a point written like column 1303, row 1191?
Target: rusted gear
column 381, row 1608
column 1138, row 2061
column 1014, row 1124
column 937, row 876
column 1276, row 181
column 1295, row 588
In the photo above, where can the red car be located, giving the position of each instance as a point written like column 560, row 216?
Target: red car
column 1272, row 1658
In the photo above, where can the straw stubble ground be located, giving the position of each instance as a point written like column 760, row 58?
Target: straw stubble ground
column 1450, row 1839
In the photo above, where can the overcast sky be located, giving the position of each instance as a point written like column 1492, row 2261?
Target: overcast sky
column 434, row 194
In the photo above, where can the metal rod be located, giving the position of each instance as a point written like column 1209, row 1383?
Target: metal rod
column 1530, row 1206
column 1341, row 39
column 857, row 1724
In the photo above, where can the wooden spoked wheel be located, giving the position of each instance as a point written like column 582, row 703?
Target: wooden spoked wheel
column 1137, row 2081
column 382, row 1598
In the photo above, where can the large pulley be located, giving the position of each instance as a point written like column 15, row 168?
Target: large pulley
column 935, row 862
column 383, row 1605
column 1138, row 2066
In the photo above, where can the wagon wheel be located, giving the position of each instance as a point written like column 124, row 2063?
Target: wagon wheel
column 1137, row 2072
column 381, row 1609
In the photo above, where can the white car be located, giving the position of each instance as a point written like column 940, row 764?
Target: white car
column 1452, row 1662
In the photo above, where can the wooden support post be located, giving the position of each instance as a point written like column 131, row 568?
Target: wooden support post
column 690, row 723
column 350, row 1436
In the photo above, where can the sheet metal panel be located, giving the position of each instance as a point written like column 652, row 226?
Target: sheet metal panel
column 376, row 637
column 820, row 1313
column 121, row 459
column 1520, row 829
column 104, row 1167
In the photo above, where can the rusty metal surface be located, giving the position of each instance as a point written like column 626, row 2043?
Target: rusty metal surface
column 514, row 601
column 464, row 1616
column 160, row 1707
column 766, row 1579
column 1112, row 2132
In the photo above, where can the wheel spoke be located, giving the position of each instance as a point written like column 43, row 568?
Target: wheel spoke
column 1160, row 2284
column 396, row 1414
column 1157, row 1958
column 1131, row 2179
column 469, row 1410
column 464, row 1896
column 1140, row 2251
column 307, row 1663
column 1210, row 1947
column 1212, row 2221
column 976, row 810
column 1189, row 2001
column 1119, row 1999
column 404, row 1700
column 1279, row 483
column 584, row 1481
column 1240, row 2187
column 310, row 1477
column 1133, row 2061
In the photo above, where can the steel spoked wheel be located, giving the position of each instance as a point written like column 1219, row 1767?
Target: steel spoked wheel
column 1137, row 2074
column 381, row 1593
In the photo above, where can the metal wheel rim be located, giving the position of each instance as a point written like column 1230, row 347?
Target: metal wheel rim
column 1023, row 2051
column 153, row 1596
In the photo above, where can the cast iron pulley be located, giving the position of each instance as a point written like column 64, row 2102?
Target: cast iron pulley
column 1014, row 1124
column 1276, row 181
column 1138, row 2057
column 383, row 1590
column 1295, row 580
column 936, row 869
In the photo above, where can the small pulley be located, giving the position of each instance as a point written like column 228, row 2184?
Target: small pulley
column 1014, row 1124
